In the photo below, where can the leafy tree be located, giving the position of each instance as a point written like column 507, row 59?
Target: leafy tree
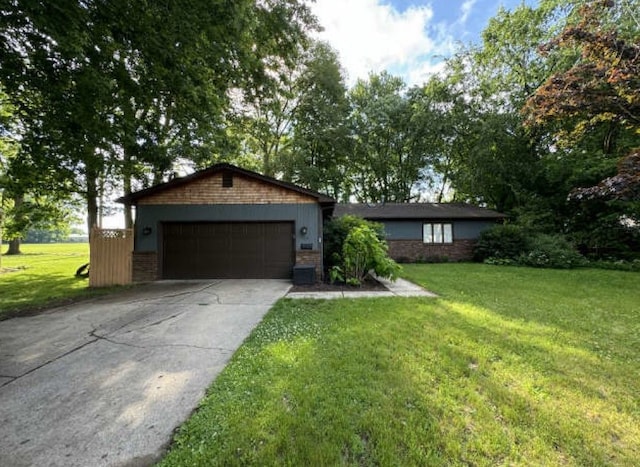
column 26, row 213
column 504, row 167
column 593, row 111
column 601, row 89
column 321, row 142
column 23, row 203
column 109, row 91
column 387, row 164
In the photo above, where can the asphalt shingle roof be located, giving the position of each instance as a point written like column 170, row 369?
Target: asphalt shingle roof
column 417, row 211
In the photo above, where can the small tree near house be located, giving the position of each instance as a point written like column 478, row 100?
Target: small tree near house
column 354, row 247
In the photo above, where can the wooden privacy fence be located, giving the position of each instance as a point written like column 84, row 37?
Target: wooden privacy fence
column 110, row 253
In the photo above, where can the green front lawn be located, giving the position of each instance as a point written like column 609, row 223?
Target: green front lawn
column 43, row 275
column 510, row 366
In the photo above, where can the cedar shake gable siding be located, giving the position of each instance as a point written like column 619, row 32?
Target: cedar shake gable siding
column 210, row 190
column 218, row 172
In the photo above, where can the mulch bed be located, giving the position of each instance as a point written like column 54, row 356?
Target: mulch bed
column 369, row 284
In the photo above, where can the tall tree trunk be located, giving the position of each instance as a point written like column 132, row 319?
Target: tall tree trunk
column 128, row 148
column 14, row 247
column 92, row 200
column 128, row 214
column 14, row 244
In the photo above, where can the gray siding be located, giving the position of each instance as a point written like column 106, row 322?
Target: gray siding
column 153, row 215
column 412, row 230
column 470, row 230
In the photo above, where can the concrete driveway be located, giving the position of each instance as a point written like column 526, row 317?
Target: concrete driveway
column 106, row 382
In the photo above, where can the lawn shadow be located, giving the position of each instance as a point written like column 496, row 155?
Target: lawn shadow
column 563, row 394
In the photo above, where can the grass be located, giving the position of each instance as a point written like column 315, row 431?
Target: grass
column 511, row 366
column 43, row 275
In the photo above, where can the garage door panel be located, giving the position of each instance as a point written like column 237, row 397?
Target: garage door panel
column 227, row 250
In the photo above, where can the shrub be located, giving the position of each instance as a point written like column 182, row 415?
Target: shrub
column 501, row 261
column 335, row 233
column 363, row 249
column 551, row 251
column 617, row 265
column 511, row 245
column 501, row 242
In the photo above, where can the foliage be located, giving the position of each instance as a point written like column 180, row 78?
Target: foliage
column 625, row 185
column 320, row 140
column 514, row 366
column 611, row 228
column 363, row 251
column 41, row 213
column 512, row 244
column 55, row 235
column 551, row 251
column 602, row 88
column 110, row 93
column 335, row 233
column 506, row 241
column 353, row 247
column 501, row 165
column 534, row 164
column 389, row 154
column 24, row 202
column 616, row 265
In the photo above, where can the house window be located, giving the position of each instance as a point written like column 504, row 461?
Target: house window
column 437, row 233
column 227, row 180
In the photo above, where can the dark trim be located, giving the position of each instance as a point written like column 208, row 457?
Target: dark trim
column 214, row 169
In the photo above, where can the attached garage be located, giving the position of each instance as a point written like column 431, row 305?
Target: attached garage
column 226, row 222
column 228, row 250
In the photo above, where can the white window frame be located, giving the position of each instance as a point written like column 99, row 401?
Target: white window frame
column 437, row 233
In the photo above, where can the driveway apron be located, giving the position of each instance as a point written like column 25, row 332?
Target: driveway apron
column 106, row 382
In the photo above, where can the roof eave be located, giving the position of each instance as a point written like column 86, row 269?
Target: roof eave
column 134, row 197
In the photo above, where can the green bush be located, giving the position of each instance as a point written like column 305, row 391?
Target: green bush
column 335, row 233
column 551, row 251
column 617, row 265
column 501, row 242
column 511, row 245
column 362, row 249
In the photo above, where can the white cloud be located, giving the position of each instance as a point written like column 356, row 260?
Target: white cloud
column 372, row 37
column 421, row 73
column 465, row 10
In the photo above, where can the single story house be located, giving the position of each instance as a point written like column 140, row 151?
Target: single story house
column 226, row 222
column 427, row 231
column 229, row 222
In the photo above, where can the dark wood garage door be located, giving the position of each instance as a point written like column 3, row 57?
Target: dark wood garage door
column 227, row 250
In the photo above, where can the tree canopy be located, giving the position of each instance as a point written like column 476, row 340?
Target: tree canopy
column 540, row 119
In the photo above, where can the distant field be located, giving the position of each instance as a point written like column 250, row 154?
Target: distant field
column 44, row 274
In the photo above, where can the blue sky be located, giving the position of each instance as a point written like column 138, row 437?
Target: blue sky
column 409, row 38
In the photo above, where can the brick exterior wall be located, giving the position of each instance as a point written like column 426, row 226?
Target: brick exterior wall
column 416, row 250
column 145, row 266
column 209, row 190
column 310, row 257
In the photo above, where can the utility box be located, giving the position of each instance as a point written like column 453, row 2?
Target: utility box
column 304, row 274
